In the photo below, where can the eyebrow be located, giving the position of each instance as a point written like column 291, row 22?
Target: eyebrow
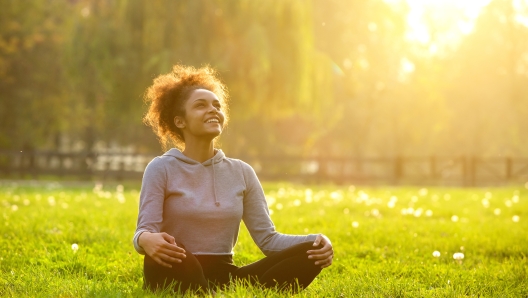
column 203, row 99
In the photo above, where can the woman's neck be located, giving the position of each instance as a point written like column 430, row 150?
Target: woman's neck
column 199, row 150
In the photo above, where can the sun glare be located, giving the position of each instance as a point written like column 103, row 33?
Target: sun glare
column 452, row 18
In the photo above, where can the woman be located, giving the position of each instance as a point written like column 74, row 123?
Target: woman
column 192, row 201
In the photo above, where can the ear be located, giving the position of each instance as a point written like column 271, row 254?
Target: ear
column 179, row 122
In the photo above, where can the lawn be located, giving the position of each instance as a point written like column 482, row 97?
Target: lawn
column 74, row 240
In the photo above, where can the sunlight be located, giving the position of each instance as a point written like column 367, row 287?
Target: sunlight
column 452, row 17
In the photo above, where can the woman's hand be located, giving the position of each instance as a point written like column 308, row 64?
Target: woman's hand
column 325, row 254
column 162, row 248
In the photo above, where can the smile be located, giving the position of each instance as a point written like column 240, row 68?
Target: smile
column 213, row 120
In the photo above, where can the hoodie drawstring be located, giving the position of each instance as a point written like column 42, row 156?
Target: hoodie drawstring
column 214, row 185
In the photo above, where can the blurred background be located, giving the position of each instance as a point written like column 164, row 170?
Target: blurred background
column 350, row 79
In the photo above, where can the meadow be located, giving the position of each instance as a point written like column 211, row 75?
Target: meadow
column 74, row 240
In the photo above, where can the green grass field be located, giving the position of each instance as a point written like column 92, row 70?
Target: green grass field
column 384, row 239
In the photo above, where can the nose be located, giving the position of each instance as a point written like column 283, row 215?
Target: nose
column 213, row 109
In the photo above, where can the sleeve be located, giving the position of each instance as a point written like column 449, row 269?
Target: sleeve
column 151, row 199
column 257, row 219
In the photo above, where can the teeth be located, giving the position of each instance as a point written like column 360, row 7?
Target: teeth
column 212, row 120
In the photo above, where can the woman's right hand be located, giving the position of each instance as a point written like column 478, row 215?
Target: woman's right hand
column 162, row 248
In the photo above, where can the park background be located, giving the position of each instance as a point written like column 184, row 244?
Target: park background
column 348, row 78
column 314, row 85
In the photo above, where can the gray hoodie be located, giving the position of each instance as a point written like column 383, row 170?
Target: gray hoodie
column 201, row 205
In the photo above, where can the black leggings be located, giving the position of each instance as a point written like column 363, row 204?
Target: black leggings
column 288, row 270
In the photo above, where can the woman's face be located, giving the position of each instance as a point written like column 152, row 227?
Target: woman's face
column 203, row 115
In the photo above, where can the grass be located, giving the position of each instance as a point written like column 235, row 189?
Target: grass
column 384, row 239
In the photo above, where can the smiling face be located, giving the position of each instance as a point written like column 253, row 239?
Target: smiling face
column 203, row 118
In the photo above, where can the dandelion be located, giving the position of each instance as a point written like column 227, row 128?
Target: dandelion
column 497, row 211
column 488, row 195
column 51, row 201
column 391, row 204
column 429, row 213
column 75, row 247
column 485, row 203
column 454, row 218
column 64, row 205
column 515, row 199
column 458, row 256
column 26, row 202
column 98, row 187
column 335, row 195
column 423, row 192
column 508, row 203
column 447, row 197
column 516, row 218
column 297, row 203
column 375, row 212
column 404, row 211
column 355, row 224
column 279, row 206
column 414, row 199
column 418, row 212
column 121, row 198
column 271, row 200
column 120, row 188
column 14, row 207
column 346, row 211
column 436, row 254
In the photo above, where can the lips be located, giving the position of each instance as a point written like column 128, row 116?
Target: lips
column 212, row 120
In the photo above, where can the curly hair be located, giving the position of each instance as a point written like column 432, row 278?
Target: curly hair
column 167, row 96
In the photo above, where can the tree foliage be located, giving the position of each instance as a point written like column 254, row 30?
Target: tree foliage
column 305, row 77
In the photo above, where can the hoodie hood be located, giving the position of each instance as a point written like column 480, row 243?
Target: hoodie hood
column 218, row 157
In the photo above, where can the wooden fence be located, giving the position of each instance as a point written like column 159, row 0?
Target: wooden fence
column 434, row 170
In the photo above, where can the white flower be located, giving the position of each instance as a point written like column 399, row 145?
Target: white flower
column 355, row 224
column 497, row 211
column 454, row 218
column 516, row 218
column 436, row 254
column 75, row 247
column 429, row 213
column 458, row 256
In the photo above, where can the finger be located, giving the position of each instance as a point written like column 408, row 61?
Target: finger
column 321, row 256
column 173, row 254
column 317, row 240
column 168, row 238
column 172, row 247
column 162, row 263
column 325, row 248
column 325, row 263
column 169, row 259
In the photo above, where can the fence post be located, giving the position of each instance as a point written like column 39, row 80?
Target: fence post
column 473, row 170
column 432, row 163
column 398, row 169
column 508, row 168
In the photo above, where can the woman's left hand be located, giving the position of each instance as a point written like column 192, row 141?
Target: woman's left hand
column 323, row 255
